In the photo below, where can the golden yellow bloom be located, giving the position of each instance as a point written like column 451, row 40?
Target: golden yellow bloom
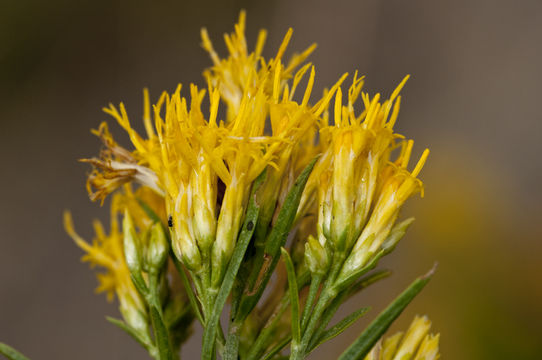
column 397, row 184
column 416, row 344
column 360, row 191
column 107, row 252
column 243, row 73
column 188, row 158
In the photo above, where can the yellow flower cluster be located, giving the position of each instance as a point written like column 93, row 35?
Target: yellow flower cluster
column 416, row 344
column 204, row 166
column 360, row 189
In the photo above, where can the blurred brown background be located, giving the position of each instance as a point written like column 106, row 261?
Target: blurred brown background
column 474, row 99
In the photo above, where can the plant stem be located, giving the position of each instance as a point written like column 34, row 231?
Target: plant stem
column 311, row 297
column 327, row 294
column 231, row 351
column 261, row 342
column 161, row 333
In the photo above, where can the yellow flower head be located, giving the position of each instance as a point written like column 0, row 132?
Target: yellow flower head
column 360, row 190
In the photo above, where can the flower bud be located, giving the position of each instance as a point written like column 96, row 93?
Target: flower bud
column 132, row 244
column 157, row 251
column 415, row 334
column 347, row 148
column 429, row 348
column 182, row 236
column 134, row 314
column 316, row 256
column 228, row 226
column 203, row 183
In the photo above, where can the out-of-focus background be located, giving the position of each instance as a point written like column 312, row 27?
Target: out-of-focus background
column 474, row 99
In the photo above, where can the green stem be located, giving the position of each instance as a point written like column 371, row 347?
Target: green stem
column 277, row 348
column 11, row 353
column 191, row 296
column 161, row 333
column 231, row 350
column 262, row 341
column 327, row 294
column 311, row 297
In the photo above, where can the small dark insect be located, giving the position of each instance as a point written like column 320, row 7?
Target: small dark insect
column 250, row 225
column 170, row 221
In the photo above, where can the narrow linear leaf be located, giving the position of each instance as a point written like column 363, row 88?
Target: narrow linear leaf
column 365, row 342
column 161, row 335
column 277, row 348
column 11, row 353
column 287, row 213
column 316, row 280
column 139, row 283
column 340, row 327
column 232, row 346
column 367, row 281
column 211, row 327
column 345, row 295
column 276, row 239
column 131, row 331
column 267, row 335
column 294, row 297
column 189, row 291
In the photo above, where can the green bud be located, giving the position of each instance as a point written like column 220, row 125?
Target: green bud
column 415, row 334
column 134, row 317
column 132, row 244
column 316, row 256
column 396, row 234
column 157, row 251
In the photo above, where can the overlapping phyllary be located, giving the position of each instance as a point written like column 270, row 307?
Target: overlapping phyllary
column 228, row 179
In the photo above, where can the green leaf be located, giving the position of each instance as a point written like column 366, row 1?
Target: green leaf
column 277, row 348
column 368, row 281
column 340, row 326
column 275, row 240
column 316, row 280
column 365, row 342
column 161, row 334
column 241, row 246
column 132, row 332
column 294, row 297
column 340, row 299
column 189, row 291
column 11, row 353
column 287, row 213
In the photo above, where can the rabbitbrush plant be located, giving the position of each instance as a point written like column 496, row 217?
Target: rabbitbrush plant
column 211, row 200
